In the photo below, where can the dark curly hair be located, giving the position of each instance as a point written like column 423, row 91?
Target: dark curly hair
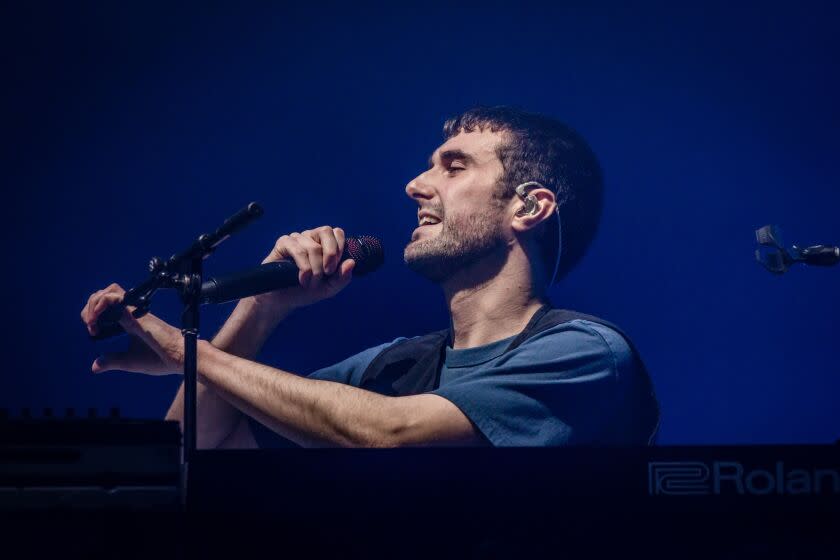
column 545, row 150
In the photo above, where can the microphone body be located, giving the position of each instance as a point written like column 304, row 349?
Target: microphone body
column 365, row 250
column 259, row 280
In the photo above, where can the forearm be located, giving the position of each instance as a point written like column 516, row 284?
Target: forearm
column 243, row 334
column 215, row 417
column 248, row 327
column 309, row 412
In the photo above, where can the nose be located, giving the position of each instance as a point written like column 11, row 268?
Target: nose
column 418, row 189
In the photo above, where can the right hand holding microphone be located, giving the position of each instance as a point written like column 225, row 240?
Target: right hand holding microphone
column 322, row 274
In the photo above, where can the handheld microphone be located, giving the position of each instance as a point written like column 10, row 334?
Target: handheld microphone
column 366, row 250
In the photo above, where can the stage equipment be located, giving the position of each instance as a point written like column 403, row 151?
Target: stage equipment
column 773, row 256
column 88, row 462
column 182, row 272
column 663, row 502
column 674, row 501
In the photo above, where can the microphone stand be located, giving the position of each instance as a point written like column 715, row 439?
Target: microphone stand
column 183, row 272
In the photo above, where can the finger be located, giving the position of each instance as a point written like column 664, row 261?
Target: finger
column 340, row 239
column 114, row 288
column 105, row 301
column 316, row 258
column 291, row 248
column 278, row 252
column 99, row 305
column 283, row 249
column 347, row 268
column 329, row 248
column 112, row 361
column 94, row 297
column 85, row 307
column 343, row 276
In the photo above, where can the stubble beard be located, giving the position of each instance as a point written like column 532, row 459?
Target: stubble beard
column 463, row 240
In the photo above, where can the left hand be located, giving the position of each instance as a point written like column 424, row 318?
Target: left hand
column 156, row 348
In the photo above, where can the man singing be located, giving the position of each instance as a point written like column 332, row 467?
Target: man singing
column 508, row 206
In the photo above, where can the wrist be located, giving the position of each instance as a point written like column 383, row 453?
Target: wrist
column 266, row 306
column 207, row 354
column 204, row 347
column 263, row 311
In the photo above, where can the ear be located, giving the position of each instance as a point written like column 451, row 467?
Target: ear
column 545, row 207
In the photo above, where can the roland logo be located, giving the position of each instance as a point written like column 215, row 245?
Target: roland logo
column 687, row 478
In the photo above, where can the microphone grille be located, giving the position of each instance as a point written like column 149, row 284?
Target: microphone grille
column 366, row 250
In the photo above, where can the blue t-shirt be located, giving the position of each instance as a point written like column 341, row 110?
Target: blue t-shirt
column 557, row 388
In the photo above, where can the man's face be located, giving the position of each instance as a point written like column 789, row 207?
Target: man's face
column 460, row 215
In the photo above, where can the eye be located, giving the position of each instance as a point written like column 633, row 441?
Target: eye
column 454, row 168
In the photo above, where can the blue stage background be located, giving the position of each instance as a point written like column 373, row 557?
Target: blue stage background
column 134, row 127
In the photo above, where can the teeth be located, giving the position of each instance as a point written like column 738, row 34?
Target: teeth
column 427, row 220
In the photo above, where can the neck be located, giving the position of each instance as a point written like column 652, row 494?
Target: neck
column 498, row 306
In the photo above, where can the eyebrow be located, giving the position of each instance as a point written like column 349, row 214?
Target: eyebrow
column 452, row 154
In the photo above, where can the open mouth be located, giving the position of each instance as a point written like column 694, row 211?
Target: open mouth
column 428, row 220
column 425, row 225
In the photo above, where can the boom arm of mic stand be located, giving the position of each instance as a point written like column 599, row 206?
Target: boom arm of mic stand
column 163, row 274
column 206, row 244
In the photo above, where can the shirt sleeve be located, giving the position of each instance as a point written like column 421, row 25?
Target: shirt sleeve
column 350, row 370
column 557, row 388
